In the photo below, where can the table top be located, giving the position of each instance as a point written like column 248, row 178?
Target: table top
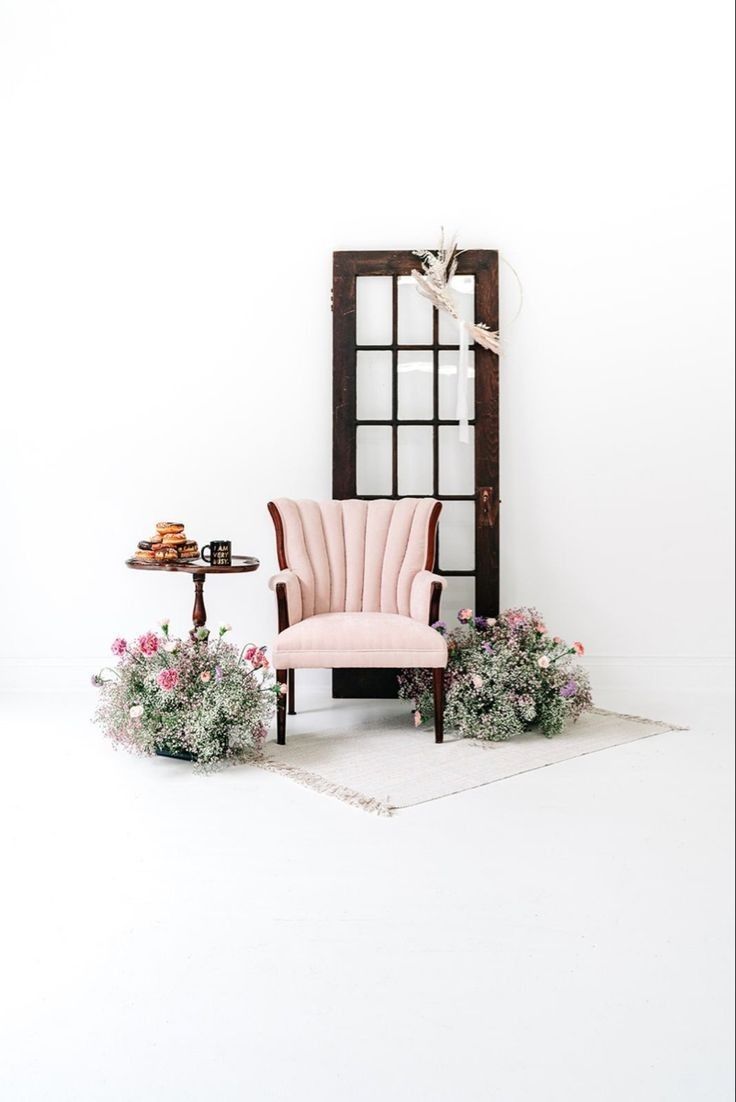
column 241, row 564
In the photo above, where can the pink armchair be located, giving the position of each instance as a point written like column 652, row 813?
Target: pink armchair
column 356, row 589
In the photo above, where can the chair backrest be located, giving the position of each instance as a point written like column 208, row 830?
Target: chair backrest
column 356, row 556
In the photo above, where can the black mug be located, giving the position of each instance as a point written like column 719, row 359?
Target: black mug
column 220, row 553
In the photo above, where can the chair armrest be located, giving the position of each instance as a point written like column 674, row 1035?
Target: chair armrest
column 291, row 606
column 421, row 606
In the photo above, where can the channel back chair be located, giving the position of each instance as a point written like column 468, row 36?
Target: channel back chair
column 356, row 589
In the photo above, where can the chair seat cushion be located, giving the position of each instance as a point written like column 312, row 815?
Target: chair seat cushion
column 344, row 640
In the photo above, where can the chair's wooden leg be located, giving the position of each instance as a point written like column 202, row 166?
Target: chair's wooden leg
column 281, row 677
column 438, row 685
column 291, row 697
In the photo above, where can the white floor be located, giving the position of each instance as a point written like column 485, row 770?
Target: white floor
column 562, row 935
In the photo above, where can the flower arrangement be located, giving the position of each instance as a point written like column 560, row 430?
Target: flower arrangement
column 197, row 698
column 503, row 677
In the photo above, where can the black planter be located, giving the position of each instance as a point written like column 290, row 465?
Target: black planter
column 182, row 755
column 163, row 751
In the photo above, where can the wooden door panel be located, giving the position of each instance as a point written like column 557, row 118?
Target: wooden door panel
column 482, row 264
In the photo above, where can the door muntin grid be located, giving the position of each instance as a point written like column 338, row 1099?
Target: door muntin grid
column 426, row 457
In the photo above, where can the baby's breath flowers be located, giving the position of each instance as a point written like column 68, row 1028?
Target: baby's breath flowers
column 503, row 677
column 196, row 697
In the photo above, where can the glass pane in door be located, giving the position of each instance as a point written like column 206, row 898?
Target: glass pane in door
column 373, row 460
column 415, row 390
column 373, row 309
column 457, row 536
column 458, row 593
column 447, row 386
column 457, row 461
column 462, row 288
column 416, row 461
column 415, row 313
column 373, row 386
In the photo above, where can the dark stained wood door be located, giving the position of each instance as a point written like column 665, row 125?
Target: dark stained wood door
column 394, row 428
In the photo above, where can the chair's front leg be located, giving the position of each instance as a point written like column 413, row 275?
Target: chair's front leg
column 438, row 685
column 281, row 677
column 290, row 694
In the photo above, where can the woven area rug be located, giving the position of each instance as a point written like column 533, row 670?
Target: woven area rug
column 387, row 764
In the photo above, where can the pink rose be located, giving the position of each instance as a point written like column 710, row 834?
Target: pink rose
column 578, row 648
column 205, row 676
column 557, row 639
column 249, row 653
column 465, row 615
column 119, row 646
column 148, row 644
column 477, row 681
column 543, row 662
column 168, row 679
column 541, row 628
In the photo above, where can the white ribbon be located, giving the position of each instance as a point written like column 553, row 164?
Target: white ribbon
column 461, row 405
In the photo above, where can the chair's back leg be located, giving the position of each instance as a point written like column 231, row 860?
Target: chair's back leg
column 281, row 709
column 292, row 698
column 438, row 685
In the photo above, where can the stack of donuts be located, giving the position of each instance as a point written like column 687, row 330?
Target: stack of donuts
column 169, row 544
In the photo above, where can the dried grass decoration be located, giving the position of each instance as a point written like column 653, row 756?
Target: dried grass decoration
column 433, row 282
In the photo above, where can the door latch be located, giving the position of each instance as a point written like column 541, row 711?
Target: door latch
column 489, row 505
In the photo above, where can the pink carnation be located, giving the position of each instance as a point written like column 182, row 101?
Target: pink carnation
column 119, row 646
column 148, row 644
column 541, row 628
column 168, row 679
column 578, row 648
column 256, row 656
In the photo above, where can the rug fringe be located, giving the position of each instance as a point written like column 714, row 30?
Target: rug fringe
column 638, row 719
column 328, row 788
column 663, row 726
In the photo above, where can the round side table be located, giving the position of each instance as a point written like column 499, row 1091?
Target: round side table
column 199, row 569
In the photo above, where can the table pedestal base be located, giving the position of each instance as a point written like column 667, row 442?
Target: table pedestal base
column 199, row 612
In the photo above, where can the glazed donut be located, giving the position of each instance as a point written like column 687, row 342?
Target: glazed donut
column 173, row 539
column 165, row 527
column 146, row 556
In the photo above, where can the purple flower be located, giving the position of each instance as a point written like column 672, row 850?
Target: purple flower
column 569, row 689
column 487, row 647
column 218, row 673
column 440, row 626
column 481, row 622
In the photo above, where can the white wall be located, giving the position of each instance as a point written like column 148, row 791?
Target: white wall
column 175, row 178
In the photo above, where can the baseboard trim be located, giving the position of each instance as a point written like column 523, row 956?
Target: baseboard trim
column 700, row 672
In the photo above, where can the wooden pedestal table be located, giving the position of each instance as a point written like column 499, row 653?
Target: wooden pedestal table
column 199, row 569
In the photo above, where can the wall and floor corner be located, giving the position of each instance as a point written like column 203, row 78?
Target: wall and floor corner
column 170, row 201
